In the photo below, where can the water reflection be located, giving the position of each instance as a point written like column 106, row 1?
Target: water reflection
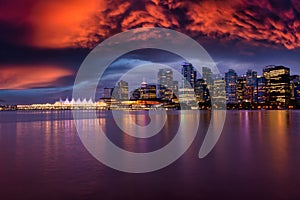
column 257, row 153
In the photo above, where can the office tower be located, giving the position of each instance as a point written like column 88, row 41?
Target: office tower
column 165, row 84
column 165, row 78
column 260, row 91
column 201, row 91
column 241, row 84
column 251, row 77
column 278, row 80
column 107, row 94
column 219, row 95
column 295, row 91
column 189, row 74
column 231, row 86
column 207, row 76
column 121, row 90
column 187, row 98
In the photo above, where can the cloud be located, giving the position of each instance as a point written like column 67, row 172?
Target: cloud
column 72, row 23
column 26, row 77
column 258, row 22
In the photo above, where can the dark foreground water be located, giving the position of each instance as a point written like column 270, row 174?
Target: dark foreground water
column 256, row 157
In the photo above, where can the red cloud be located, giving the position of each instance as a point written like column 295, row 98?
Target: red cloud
column 73, row 23
column 257, row 22
column 24, row 77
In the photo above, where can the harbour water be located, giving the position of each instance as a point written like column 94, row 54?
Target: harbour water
column 257, row 157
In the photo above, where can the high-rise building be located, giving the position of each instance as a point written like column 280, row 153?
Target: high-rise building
column 201, row 91
column 219, row 95
column 207, row 76
column 107, row 93
column 278, row 85
column 251, row 77
column 187, row 97
column 165, row 78
column 165, row 84
column 231, row 86
column 121, row 90
column 260, row 91
column 189, row 74
column 295, row 90
column 241, row 84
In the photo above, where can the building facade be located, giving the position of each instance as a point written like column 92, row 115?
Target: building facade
column 278, row 85
column 231, row 86
column 189, row 74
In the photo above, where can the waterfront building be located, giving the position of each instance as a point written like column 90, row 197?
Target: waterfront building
column 201, row 91
column 241, row 84
column 295, row 91
column 207, row 76
column 107, row 93
column 278, row 85
column 219, row 94
column 165, row 84
column 231, row 86
column 121, row 90
column 187, row 98
column 251, row 77
column 145, row 92
column 189, row 74
column 260, row 91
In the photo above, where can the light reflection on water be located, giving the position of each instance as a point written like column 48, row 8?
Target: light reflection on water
column 257, row 156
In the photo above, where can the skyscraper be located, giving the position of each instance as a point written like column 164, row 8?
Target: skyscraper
column 165, row 84
column 219, row 95
column 241, row 84
column 121, row 90
column 295, row 90
column 251, row 77
column 107, row 94
column 207, row 76
column 278, row 88
column 201, row 91
column 260, row 91
column 189, row 74
column 231, row 86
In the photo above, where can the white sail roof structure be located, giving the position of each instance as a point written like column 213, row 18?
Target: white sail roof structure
column 84, row 101
column 90, row 101
column 72, row 101
column 78, row 101
column 67, row 101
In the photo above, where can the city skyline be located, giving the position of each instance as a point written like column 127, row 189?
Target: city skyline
column 276, row 88
column 42, row 44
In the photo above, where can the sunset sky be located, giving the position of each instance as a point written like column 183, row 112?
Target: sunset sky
column 43, row 42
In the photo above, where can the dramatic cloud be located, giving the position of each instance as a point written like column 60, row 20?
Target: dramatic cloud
column 73, row 23
column 25, row 77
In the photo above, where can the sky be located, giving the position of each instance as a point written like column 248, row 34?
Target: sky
column 43, row 43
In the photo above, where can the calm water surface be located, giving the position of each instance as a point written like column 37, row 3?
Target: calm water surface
column 256, row 157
